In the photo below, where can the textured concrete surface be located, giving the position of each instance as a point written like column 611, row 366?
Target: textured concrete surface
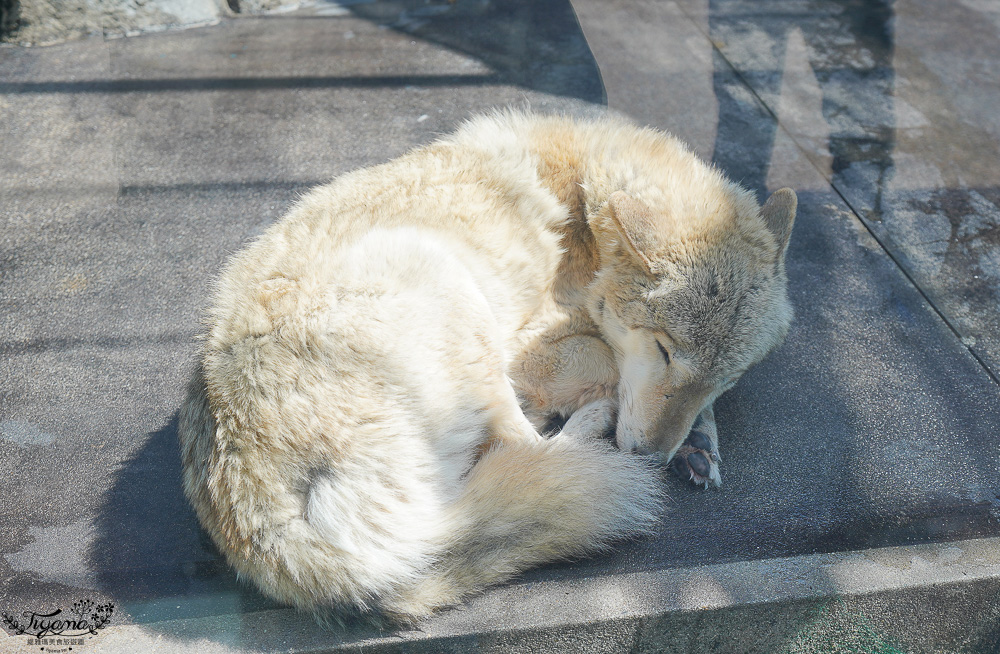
column 877, row 597
column 923, row 598
column 131, row 168
column 44, row 22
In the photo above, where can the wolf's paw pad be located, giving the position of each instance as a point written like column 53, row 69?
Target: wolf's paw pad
column 697, row 460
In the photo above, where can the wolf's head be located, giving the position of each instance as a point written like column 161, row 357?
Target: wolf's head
column 689, row 295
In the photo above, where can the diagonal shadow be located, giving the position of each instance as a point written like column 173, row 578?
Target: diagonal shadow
column 538, row 45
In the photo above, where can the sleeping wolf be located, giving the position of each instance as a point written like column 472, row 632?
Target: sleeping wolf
column 362, row 432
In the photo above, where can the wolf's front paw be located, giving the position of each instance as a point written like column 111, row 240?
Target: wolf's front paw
column 698, row 459
column 591, row 421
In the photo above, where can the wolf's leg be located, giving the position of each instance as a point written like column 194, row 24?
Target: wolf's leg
column 559, row 376
column 592, row 420
column 508, row 422
column 698, row 457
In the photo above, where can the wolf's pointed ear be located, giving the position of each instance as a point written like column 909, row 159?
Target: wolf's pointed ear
column 779, row 214
column 635, row 222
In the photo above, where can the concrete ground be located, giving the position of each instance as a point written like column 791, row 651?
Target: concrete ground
column 860, row 510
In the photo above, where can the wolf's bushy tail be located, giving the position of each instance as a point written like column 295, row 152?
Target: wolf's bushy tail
column 527, row 503
column 362, row 543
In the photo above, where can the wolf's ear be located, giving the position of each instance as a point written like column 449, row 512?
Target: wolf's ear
column 635, row 222
column 779, row 214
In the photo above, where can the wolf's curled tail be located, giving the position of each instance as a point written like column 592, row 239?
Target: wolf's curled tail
column 379, row 538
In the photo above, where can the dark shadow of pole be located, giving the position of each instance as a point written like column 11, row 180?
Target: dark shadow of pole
column 10, row 16
column 851, row 47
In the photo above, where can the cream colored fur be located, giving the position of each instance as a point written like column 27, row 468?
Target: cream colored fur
column 362, row 432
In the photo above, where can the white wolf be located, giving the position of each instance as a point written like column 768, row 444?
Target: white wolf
column 362, row 431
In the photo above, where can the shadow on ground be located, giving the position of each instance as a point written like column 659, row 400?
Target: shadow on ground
column 150, row 552
column 538, row 45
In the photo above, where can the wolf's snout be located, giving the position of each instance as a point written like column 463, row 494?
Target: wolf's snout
column 677, row 419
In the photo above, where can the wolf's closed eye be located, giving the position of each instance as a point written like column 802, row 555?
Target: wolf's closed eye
column 663, row 351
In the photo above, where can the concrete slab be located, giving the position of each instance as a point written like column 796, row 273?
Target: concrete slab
column 139, row 164
column 766, row 606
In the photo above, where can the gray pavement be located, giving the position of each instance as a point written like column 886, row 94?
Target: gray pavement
column 861, row 501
